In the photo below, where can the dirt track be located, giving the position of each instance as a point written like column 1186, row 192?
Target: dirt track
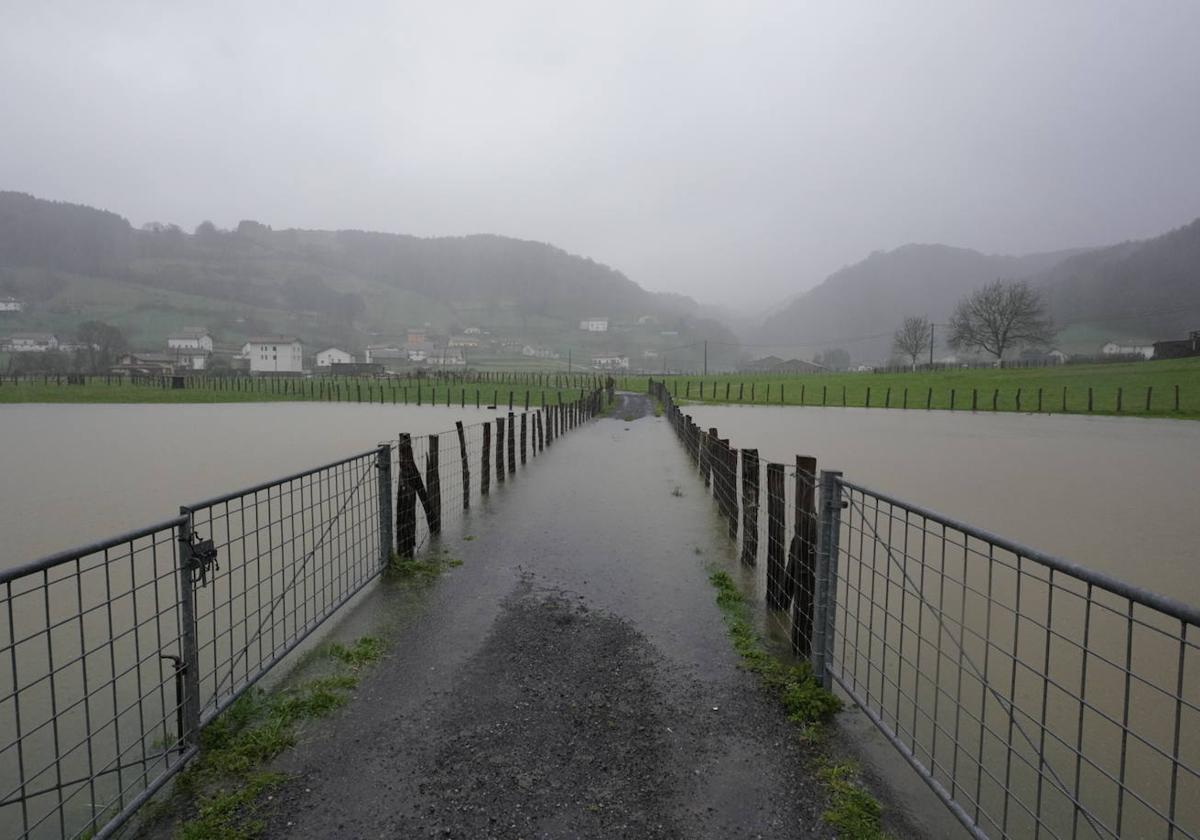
column 571, row 679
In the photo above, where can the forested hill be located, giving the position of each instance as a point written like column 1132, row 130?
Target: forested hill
column 858, row 307
column 1146, row 290
column 342, row 285
column 1135, row 291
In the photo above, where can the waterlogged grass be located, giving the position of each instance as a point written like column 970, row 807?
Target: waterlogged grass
column 1064, row 388
column 229, row 779
column 794, row 686
column 421, row 569
column 853, row 811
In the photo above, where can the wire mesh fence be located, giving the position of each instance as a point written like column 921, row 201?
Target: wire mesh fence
column 1035, row 697
column 89, row 683
column 1042, row 698
column 113, row 656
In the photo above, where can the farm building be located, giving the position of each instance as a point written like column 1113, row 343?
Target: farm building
column 274, row 354
column 333, row 356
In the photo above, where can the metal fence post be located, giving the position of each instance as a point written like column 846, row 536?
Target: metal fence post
column 825, row 594
column 383, row 463
column 189, row 647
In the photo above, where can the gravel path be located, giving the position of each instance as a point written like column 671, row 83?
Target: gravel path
column 571, row 679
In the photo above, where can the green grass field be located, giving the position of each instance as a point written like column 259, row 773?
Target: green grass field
column 1062, row 389
column 495, row 389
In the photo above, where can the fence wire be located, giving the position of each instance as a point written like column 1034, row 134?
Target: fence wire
column 89, row 701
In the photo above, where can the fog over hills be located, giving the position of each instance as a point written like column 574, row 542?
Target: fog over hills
column 1143, row 290
column 75, row 263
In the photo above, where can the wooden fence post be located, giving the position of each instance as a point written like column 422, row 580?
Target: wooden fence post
column 802, row 556
column 750, row 496
column 776, row 570
column 512, row 445
column 485, row 466
column 408, row 488
column 523, row 415
column 729, row 476
column 466, row 466
column 1119, row 390
column 499, row 450
column 433, row 487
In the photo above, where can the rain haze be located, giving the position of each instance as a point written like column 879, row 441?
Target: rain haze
column 656, row 420
column 738, row 153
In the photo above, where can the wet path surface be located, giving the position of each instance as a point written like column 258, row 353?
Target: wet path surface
column 571, row 679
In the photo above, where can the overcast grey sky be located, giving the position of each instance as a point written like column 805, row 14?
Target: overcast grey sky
column 738, row 152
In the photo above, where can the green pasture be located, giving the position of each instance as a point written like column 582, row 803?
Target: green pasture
column 1137, row 388
column 484, row 390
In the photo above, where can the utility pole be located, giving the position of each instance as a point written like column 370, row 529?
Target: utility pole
column 706, row 357
column 568, row 360
column 931, row 326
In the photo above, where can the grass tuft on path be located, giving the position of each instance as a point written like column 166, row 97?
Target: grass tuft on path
column 852, row 809
column 228, row 781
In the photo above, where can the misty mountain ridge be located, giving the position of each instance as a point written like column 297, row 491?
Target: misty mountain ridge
column 345, row 287
column 1147, row 289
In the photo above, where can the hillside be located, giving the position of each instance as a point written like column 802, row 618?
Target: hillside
column 858, row 307
column 1141, row 291
column 1147, row 290
column 71, row 263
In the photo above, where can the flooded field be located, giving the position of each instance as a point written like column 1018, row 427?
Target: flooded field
column 1041, row 702
column 1115, row 494
column 71, row 474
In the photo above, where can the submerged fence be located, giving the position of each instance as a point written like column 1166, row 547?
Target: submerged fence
column 114, row 655
column 1034, row 696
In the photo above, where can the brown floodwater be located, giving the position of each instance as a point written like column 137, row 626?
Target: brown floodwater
column 963, row 649
column 1119, row 495
column 71, row 474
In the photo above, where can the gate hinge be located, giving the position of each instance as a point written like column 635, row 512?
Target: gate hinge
column 199, row 556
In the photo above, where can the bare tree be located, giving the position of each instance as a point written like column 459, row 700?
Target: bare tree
column 912, row 339
column 1002, row 315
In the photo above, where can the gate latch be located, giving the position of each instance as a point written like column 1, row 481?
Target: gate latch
column 201, row 555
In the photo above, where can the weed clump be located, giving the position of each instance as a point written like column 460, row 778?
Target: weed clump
column 853, row 811
column 228, row 778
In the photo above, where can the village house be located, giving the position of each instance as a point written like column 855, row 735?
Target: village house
column 10, row 304
column 473, row 331
column 1179, row 348
column 274, row 354
column 145, row 364
column 1114, row 348
column 190, row 338
column 610, row 362
column 333, row 356
column 594, row 324
column 31, row 342
column 190, row 348
column 537, row 351
column 647, row 320
column 420, row 352
column 416, row 337
column 385, row 354
column 463, row 341
column 449, row 357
